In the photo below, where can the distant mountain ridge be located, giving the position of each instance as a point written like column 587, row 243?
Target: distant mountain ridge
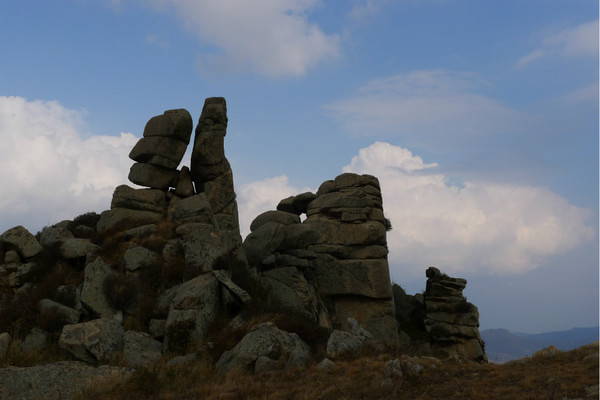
column 502, row 345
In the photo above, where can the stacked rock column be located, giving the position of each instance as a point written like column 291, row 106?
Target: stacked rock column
column 451, row 322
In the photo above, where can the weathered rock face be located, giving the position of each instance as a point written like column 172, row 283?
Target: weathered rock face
column 165, row 267
column 333, row 266
column 94, row 341
column 161, row 149
column 450, row 320
column 270, row 345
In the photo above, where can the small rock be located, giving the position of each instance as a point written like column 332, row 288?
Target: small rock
column 393, row 369
column 326, row 363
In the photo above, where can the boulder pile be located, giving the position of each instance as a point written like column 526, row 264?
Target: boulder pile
column 164, row 272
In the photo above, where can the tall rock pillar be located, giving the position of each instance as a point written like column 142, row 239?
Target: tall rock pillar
column 211, row 171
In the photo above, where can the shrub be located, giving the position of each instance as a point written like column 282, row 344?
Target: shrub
column 121, row 290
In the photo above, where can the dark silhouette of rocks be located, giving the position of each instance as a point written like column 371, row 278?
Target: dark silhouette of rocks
column 164, row 272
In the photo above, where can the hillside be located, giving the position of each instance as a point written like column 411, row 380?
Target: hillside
column 502, row 345
column 559, row 375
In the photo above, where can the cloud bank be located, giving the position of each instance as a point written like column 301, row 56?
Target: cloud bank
column 477, row 227
column 272, row 38
column 51, row 169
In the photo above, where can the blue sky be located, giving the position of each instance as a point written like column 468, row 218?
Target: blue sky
column 480, row 118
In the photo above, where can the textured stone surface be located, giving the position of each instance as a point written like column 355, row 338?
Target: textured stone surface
column 201, row 245
column 75, row 248
column 184, row 186
column 176, row 124
column 137, row 257
column 340, row 250
column 57, row 312
column 59, row 381
column 347, row 343
column 159, row 151
column 51, row 235
column 22, row 241
column 289, row 288
column 193, row 308
column 123, row 219
column 139, row 199
column 140, row 349
column 450, row 320
column 99, row 340
column 193, row 209
column 265, row 340
column 92, row 293
column 152, row 176
column 279, row 217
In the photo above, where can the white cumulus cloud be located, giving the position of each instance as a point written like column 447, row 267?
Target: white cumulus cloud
column 272, row 37
column 476, row 227
column 51, row 169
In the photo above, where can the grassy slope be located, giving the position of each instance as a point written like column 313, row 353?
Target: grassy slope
column 571, row 375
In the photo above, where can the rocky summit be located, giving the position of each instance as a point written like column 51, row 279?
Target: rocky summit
column 165, row 273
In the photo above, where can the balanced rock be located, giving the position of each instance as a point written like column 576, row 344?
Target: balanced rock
column 451, row 321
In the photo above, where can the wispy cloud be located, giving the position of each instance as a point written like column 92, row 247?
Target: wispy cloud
column 271, row 38
column 365, row 8
column 425, row 106
column 579, row 41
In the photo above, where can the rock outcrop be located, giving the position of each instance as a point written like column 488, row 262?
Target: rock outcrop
column 332, row 266
column 451, row 321
column 165, row 272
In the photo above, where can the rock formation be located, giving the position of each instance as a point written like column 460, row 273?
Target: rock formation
column 333, row 265
column 164, row 271
column 451, row 321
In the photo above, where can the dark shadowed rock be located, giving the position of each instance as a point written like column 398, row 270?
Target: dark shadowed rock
column 23, row 242
column 159, row 151
column 280, row 217
column 139, row 199
column 140, row 349
column 59, row 381
column 193, row 308
column 184, row 186
column 152, row 176
column 176, row 124
column 265, row 340
column 95, row 341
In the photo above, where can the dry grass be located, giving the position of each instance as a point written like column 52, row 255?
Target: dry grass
column 568, row 375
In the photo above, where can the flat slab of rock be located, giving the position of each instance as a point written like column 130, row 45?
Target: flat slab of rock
column 60, row 381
